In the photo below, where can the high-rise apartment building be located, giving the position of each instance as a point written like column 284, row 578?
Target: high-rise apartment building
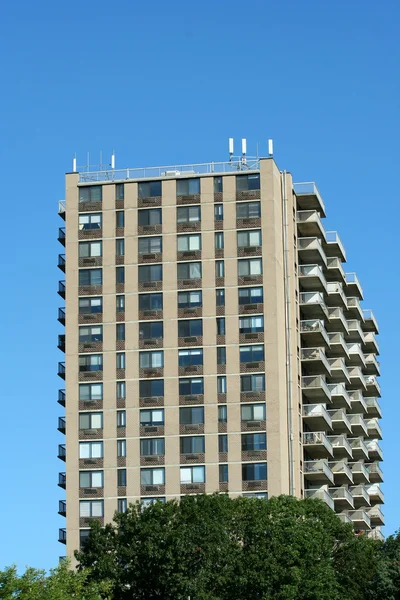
column 213, row 342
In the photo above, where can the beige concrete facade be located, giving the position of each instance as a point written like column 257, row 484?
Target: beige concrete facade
column 306, row 397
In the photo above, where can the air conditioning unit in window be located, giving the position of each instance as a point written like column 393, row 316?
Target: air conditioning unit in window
column 193, row 427
column 151, row 488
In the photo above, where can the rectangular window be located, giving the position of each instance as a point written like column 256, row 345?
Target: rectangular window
column 119, row 191
column 188, row 214
column 90, row 221
column 189, row 242
column 91, row 450
column 190, row 327
column 221, row 384
column 254, row 441
column 92, row 420
column 90, row 305
column 254, row 472
column 91, row 479
column 188, row 187
column 190, row 299
column 149, row 189
column 150, row 245
column 223, row 473
column 91, row 334
column 191, row 386
column 145, row 502
column 91, row 508
column 251, row 324
column 121, row 477
column 151, row 360
column 252, row 383
column 253, row 412
column 192, row 444
column 152, row 447
column 149, row 216
column 90, row 249
column 223, row 443
column 252, row 266
column 154, row 388
column 245, row 239
column 122, row 505
column 121, row 448
column 220, row 297
column 220, row 325
column 92, row 193
column 119, row 275
column 150, row 273
column 190, row 357
column 90, row 276
column 217, row 185
column 121, row 418
column 152, row 476
column 90, row 392
column 150, row 330
column 120, row 360
column 248, row 210
column 121, row 390
column 120, row 303
column 219, row 268
column 247, row 182
column 219, row 240
column 90, row 362
column 221, row 355
column 251, row 353
column 191, row 415
column 193, row 474
column 120, row 247
column 218, row 212
column 153, row 418
column 120, row 332
column 222, row 414
column 189, row 270
column 150, row 301
column 120, row 219
column 253, row 295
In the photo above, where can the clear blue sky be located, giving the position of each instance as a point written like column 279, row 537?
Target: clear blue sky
column 167, row 82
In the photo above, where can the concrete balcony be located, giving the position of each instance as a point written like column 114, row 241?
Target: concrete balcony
column 311, row 278
column 316, row 417
column 375, row 494
column 353, row 286
column 344, row 518
column 375, row 472
column 314, row 388
column 370, row 343
column 372, row 366
column 377, row 519
column 317, row 471
column 360, row 496
column 309, row 224
column 358, row 402
column 308, row 197
column 373, row 387
column 360, row 519
column 359, row 472
column 357, row 379
column 374, row 429
column 340, row 421
column 341, row 447
column 341, row 472
column 358, row 425
column 359, row 448
column 355, row 333
column 342, row 498
column 356, row 356
column 314, row 361
column 334, row 246
column 310, row 251
column 320, row 494
column 370, row 323
column 312, row 305
column 374, row 450
column 339, row 372
column 337, row 346
column 317, row 445
column 339, row 396
column 313, row 333
column 335, row 271
column 354, row 310
column 373, row 407
column 337, row 321
column 336, row 296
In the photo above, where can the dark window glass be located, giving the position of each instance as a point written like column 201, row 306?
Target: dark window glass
column 90, row 221
column 151, row 388
column 191, row 386
column 251, row 324
column 119, row 274
column 253, row 412
column 90, row 276
column 120, row 218
column 151, row 360
column 220, row 325
column 149, row 245
column 92, row 193
column 217, row 184
column 252, row 295
column 222, row 414
column 252, row 383
column 150, row 301
column 120, row 303
column 120, row 247
column 221, row 355
column 150, row 330
column 223, row 443
column 189, row 299
column 189, row 270
column 190, row 357
column 121, row 477
column 120, row 331
column 220, row 297
column 189, row 415
column 190, row 327
column 90, row 305
column 150, row 273
column 192, row 444
column 218, row 212
column 247, row 182
column 90, row 249
column 223, row 473
column 119, row 191
column 188, row 214
column 251, row 353
column 254, row 441
column 152, row 447
column 187, row 187
column 93, row 333
column 90, row 362
column 149, row 189
column 150, row 216
column 254, row 472
column 248, row 210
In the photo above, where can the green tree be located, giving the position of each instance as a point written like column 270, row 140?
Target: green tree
column 386, row 581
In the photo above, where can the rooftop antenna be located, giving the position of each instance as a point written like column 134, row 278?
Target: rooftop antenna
column 244, row 149
column 270, row 147
column 74, row 164
column 113, row 159
column 230, row 149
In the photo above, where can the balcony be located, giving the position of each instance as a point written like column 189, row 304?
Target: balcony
column 61, row 316
column 344, row 518
column 340, row 421
column 377, row 519
column 315, row 389
column 375, row 472
column 359, row 472
column 341, row 447
column 320, row 494
column 342, row 498
column 341, row 472
column 309, row 224
column 354, row 310
column 353, row 286
column 61, row 370
column 311, row 278
column 314, row 361
column 360, row 496
column 316, row 417
column 308, row 197
column 337, row 346
column 313, row 306
column 62, row 536
column 356, row 355
column 358, row 403
column 372, row 366
column 373, row 387
column 61, row 425
column 355, row 333
column 370, row 322
column 370, row 343
column 339, row 372
column 358, row 425
column 62, row 508
column 313, row 332
column 359, row 448
column 360, row 519
column 375, row 494
column 61, row 342
column 357, row 379
column 62, row 208
column 310, row 250
column 61, row 262
column 374, row 450
column 62, row 289
column 62, row 480
column 339, row 395
column 374, row 429
column 336, row 321
column 62, row 454
column 317, row 471
column 335, row 271
column 334, row 246
column 61, row 236
column 336, row 295
column 61, row 397
column 373, row 407
column 317, row 445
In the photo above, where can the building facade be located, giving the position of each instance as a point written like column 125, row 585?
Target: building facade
column 213, row 342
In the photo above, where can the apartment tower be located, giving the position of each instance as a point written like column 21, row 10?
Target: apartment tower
column 213, row 342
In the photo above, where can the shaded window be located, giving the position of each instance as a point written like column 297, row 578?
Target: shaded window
column 120, row 247
column 151, row 360
column 150, row 301
column 218, row 212
column 220, row 297
column 92, row 420
column 91, row 508
column 221, row 355
column 217, row 184
column 152, row 447
column 152, row 476
column 149, row 189
column 119, row 191
column 221, row 384
column 188, row 214
column 220, row 325
column 252, row 383
column 90, row 362
column 189, row 299
column 92, row 193
column 251, row 353
column 219, row 240
column 251, row 266
column 254, row 472
column 120, row 332
column 254, row 441
column 190, row 357
column 219, row 268
column 189, row 242
column 188, row 187
column 189, row 270
column 121, row 390
column 90, row 392
column 119, row 274
column 191, row 386
column 121, row 418
column 120, row 303
column 246, row 239
column 93, row 333
column 190, row 327
column 223, row 473
column 149, row 216
column 122, row 505
column 90, row 276
column 90, row 449
column 253, row 412
column 248, row 210
column 192, row 444
column 150, row 330
column 252, row 295
column 150, row 273
column 120, row 360
column 223, row 443
column 121, row 448
column 120, row 218
column 191, row 415
column 91, row 479
column 151, row 388
column 251, row 324
column 247, row 182
column 121, row 477
column 222, row 414
column 90, row 221
column 148, row 245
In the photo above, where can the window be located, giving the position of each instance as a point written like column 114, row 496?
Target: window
column 192, row 445
column 190, row 357
column 90, row 276
column 246, row 239
column 248, row 210
column 149, row 216
column 120, row 303
column 120, row 360
column 223, row 473
column 190, row 299
column 153, row 418
column 152, row 388
column 120, row 219
column 90, row 249
column 247, row 182
column 150, row 302
column 191, row 415
column 152, row 447
column 251, row 324
column 191, row 386
column 150, row 330
column 218, row 212
column 253, row 412
column 92, row 193
column 119, row 191
column 252, row 383
column 221, row 355
column 193, row 474
column 152, row 476
column 254, row 441
column 90, row 305
column 149, row 189
column 252, row 295
column 254, row 472
column 252, row 266
column 121, row 418
column 83, row 537
column 221, row 384
column 188, row 214
column 217, row 184
column 121, row 390
column 149, row 245
column 121, row 448
column 222, row 414
column 151, row 360
column 190, row 327
column 189, row 242
column 189, row 270
column 251, row 353
column 120, row 247
column 90, row 392
column 219, row 240
column 122, row 505
column 120, row 332
column 150, row 273
column 188, row 187
column 91, row 420
column 220, row 325
column 121, row 477
column 90, row 362
column 90, row 221
column 119, row 275
column 223, row 443
column 91, row 450
column 91, row 334
column 145, row 502
column 91, row 479
column 219, row 268
column 91, row 508
column 220, row 297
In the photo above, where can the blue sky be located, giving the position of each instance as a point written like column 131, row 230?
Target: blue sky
column 167, row 83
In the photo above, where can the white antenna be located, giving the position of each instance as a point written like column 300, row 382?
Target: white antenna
column 244, row 146
column 230, row 148
column 270, row 147
column 113, row 160
column 74, row 164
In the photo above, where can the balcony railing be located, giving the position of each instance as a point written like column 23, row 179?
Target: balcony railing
column 308, row 196
column 371, row 342
column 340, row 420
column 340, row 445
column 61, row 370
column 333, row 239
column 312, row 272
column 339, row 394
column 359, row 471
column 360, row 494
column 317, row 468
column 315, row 386
column 61, row 262
column 62, row 508
column 371, row 324
column 375, row 493
column 61, row 316
column 320, row 494
column 61, row 424
column 358, row 402
column 373, row 385
column 341, row 470
column 313, row 247
column 358, row 425
column 62, row 208
column 359, row 447
column 61, row 342
column 314, row 326
column 62, row 536
column 62, row 480
column 309, row 222
column 336, row 294
column 337, row 320
column 61, row 397
column 61, row 289
column 353, row 282
column 61, row 235
column 374, row 449
column 335, row 264
column 315, row 355
column 374, row 429
column 354, row 306
column 375, row 472
column 373, row 407
column 317, row 439
column 62, row 452
column 360, row 519
column 317, row 411
column 342, row 494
